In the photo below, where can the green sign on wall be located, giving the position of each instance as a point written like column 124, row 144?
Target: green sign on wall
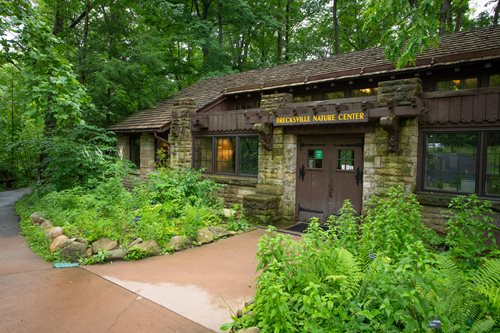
column 318, row 154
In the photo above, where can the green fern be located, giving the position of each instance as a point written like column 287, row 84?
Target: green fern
column 486, row 281
column 483, row 326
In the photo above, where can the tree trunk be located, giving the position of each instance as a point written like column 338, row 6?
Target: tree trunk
column 497, row 13
column 287, row 31
column 59, row 18
column 336, row 47
column 443, row 18
column 219, row 23
column 84, row 42
column 458, row 22
column 279, row 43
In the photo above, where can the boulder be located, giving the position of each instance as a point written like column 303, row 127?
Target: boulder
column 136, row 241
column 36, row 218
column 227, row 212
column 178, row 243
column 46, row 224
column 116, row 254
column 74, row 249
column 219, row 232
column 204, row 236
column 58, row 242
column 249, row 330
column 250, row 301
column 55, row 232
column 104, row 244
column 149, row 246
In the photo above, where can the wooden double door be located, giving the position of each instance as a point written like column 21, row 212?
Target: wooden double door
column 329, row 171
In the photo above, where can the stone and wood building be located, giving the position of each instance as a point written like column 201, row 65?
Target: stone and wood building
column 294, row 141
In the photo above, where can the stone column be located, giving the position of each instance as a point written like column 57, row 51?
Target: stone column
column 274, row 201
column 382, row 168
column 147, row 154
column 180, row 133
column 123, row 146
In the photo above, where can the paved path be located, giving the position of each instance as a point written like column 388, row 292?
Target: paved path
column 34, row 297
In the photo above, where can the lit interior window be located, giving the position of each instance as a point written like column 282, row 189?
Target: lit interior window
column 457, row 84
column 364, row 92
column 225, row 155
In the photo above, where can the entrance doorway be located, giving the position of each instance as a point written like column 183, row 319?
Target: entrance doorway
column 329, row 171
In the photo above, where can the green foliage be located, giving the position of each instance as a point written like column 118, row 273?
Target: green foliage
column 171, row 203
column 329, row 282
column 96, row 258
column 237, row 221
column 37, row 240
column 470, row 228
column 136, row 253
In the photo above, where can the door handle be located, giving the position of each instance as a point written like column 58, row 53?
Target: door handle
column 358, row 176
column 302, row 172
column 330, row 191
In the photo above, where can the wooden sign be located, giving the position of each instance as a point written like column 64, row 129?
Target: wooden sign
column 326, row 118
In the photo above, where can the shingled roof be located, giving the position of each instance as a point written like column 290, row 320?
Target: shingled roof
column 457, row 47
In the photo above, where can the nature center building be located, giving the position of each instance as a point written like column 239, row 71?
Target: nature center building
column 294, row 141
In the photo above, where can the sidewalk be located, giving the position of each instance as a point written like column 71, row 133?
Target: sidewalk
column 202, row 284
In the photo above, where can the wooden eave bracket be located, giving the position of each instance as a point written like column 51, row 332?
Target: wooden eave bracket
column 199, row 122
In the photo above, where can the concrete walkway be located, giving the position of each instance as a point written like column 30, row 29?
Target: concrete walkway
column 202, row 284
column 190, row 291
column 34, row 297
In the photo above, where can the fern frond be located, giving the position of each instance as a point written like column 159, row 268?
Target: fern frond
column 486, row 281
column 482, row 326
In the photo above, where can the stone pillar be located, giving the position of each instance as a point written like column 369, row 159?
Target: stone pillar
column 123, row 146
column 274, row 201
column 180, row 133
column 147, row 154
column 383, row 168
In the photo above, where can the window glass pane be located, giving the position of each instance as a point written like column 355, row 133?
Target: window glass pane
column 345, row 159
column 249, row 155
column 226, row 154
column 457, row 84
column 203, row 154
column 493, row 163
column 450, row 162
column 315, row 158
column 298, row 99
column 364, row 92
column 334, row 95
column 495, row 80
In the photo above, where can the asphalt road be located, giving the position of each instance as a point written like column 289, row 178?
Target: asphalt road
column 34, row 297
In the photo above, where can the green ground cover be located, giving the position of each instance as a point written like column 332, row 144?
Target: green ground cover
column 171, row 203
column 388, row 273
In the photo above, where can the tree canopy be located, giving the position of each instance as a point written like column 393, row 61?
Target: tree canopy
column 69, row 63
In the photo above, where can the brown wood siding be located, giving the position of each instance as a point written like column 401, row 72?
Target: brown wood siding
column 228, row 121
column 472, row 107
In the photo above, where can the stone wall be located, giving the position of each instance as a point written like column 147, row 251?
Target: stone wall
column 235, row 188
column 180, row 133
column 274, row 200
column 383, row 169
column 147, row 153
column 123, row 146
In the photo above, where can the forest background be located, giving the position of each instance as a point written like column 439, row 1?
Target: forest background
column 70, row 68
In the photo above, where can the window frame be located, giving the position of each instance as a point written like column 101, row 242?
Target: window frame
column 481, row 165
column 237, row 153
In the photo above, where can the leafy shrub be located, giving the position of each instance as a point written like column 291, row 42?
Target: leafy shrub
column 470, row 228
column 171, row 203
column 391, row 281
column 136, row 253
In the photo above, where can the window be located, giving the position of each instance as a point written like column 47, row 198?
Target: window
column 457, row 84
column 364, row 92
column 299, row 99
column 462, row 162
column 315, row 158
column 227, row 154
column 494, row 80
column 135, row 150
column 346, row 160
column 204, row 153
column 334, row 95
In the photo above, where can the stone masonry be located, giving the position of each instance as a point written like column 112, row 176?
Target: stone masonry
column 147, row 153
column 384, row 169
column 180, row 133
column 274, row 200
column 123, row 146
